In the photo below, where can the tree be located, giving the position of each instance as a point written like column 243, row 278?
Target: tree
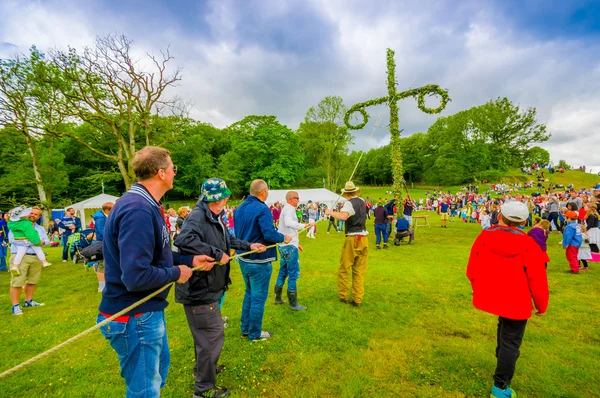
column 262, row 148
column 28, row 108
column 107, row 88
column 324, row 139
column 509, row 129
column 536, row 155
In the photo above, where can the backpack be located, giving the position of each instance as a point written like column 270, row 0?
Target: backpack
column 93, row 252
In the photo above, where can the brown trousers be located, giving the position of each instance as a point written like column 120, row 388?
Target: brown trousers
column 354, row 260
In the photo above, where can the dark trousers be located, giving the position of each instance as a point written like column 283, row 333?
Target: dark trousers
column 207, row 329
column 509, row 337
column 554, row 217
column 331, row 224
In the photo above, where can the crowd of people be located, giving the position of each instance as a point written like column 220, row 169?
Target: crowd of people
column 145, row 248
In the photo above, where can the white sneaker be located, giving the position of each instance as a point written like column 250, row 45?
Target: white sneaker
column 263, row 336
column 64, row 261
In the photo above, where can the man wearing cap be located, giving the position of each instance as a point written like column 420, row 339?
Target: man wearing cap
column 254, row 223
column 506, row 270
column 289, row 262
column 356, row 245
column 30, row 270
column 205, row 232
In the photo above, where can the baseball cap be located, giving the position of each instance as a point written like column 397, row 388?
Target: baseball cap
column 515, row 211
column 571, row 214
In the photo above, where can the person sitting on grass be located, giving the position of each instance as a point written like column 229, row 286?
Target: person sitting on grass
column 572, row 238
column 505, row 256
column 24, row 232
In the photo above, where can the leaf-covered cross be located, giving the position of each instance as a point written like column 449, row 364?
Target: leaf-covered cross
column 392, row 100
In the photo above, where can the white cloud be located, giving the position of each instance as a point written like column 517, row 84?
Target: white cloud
column 466, row 47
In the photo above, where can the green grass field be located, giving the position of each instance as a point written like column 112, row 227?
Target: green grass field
column 417, row 334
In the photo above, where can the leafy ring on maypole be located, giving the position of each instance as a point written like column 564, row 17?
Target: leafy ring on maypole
column 419, row 93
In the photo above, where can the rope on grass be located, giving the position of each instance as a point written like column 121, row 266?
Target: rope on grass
column 118, row 314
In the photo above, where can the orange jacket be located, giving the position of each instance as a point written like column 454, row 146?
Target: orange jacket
column 506, row 270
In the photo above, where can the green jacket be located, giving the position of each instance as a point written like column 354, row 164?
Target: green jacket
column 23, row 229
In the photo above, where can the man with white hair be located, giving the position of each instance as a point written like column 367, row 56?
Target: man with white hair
column 289, row 262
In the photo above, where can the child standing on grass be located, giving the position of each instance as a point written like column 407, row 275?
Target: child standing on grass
column 584, row 253
column 23, row 230
column 571, row 240
column 485, row 220
column 539, row 233
column 506, row 271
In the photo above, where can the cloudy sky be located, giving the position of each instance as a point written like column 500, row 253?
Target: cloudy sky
column 280, row 57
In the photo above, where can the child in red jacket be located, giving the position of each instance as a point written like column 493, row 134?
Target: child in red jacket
column 506, row 270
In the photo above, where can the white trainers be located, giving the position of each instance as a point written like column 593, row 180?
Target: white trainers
column 16, row 310
column 32, row 303
column 263, row 336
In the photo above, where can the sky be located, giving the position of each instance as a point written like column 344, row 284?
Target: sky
column 280, row 57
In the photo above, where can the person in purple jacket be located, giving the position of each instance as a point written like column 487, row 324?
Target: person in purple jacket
column 138, row 261
column 539, row 233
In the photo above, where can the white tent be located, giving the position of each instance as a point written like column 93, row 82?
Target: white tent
column 320, row 195
column 91, row 205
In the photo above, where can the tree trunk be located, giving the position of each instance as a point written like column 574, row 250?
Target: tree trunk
column 45, row 200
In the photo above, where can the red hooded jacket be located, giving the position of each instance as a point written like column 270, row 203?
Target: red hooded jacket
column 506, row 270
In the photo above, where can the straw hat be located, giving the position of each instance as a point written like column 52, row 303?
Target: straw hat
column 350, row 187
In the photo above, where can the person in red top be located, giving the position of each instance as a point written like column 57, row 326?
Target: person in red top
column 506, row 271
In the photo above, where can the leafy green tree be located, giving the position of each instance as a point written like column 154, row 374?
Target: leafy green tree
column 508, row 128
column 536, row 155
column 324, row 139
column 261, row 147
column 28, row 108
column 196, row 153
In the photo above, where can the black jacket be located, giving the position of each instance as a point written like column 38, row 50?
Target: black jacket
column 205, row 233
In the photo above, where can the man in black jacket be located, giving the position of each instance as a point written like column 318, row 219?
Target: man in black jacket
column 205, row 232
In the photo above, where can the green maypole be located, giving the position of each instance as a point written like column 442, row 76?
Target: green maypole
column 392, row 101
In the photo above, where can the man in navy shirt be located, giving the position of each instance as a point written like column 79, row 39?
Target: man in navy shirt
column 138, row 261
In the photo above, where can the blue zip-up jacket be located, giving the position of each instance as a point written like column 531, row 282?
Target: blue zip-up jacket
column 99, row 224
column 137, row 254
column 254, row 223
column 572, row 235
column 66, row 223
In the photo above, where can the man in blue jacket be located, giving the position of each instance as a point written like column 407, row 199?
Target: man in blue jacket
column 99, row 223
column 70, row 224
column 138, row 261
column 254, row 223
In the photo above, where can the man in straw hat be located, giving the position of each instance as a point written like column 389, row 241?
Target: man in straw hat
column 356, row 246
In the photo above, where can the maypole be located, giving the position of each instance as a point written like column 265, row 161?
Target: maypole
column 392, row 100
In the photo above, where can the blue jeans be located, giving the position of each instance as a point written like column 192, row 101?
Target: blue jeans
column 289, row 266
column 65, row 255
column 381, row 229
column 143, row 350
column 257, row 278
column 3, row 258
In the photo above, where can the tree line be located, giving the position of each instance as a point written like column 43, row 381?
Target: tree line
column 71, row 121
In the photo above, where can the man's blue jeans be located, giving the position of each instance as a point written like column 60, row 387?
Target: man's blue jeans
column 257, row 278
column 381, row 229
column 289, row 266
column 143, row 350
column 65, row 255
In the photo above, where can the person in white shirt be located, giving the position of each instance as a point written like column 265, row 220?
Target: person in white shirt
column 289, row 262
